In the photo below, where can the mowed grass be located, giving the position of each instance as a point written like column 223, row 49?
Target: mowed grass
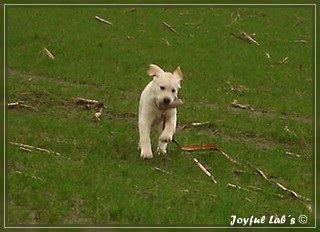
column 99, row 177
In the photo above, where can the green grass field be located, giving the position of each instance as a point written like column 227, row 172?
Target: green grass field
column 99, row 177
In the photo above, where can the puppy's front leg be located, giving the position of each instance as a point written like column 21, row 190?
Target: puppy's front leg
column 169, row 129
column 145, row 142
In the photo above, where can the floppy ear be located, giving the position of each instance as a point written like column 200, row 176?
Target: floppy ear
column 154, row 70
column 178, row 74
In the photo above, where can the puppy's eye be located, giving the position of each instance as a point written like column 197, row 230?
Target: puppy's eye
column 173, row 90
column 162, row 87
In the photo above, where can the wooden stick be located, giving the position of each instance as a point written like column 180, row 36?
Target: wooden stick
column 170, row 27
column 290, row 132
column 22, row 145
column 283, row 61
column 239, row 37
column 25, row 149
column 19, row 104
column 302, row 41
column 199, row 123
column 48, row 53
column 245, row 37
column 237, row 187
column 293, row 154
column 163, row 171
column 204, row 170
column 88, row 102
column 15, row 104
column 84, row 101
column 42, row 149
column 249, row 38
column 103, row 20
column 238, row 105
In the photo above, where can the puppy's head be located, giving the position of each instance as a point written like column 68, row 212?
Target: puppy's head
column 165, row 87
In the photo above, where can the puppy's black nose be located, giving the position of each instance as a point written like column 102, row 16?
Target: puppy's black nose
column 166, row 101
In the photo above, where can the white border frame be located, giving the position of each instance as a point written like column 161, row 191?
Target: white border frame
column 314, row 210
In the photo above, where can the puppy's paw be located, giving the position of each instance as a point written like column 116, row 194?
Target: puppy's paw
column 162, row 149
column 146, row 154
column 164, row 138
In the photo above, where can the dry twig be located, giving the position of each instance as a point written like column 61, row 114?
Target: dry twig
column 237, row 187
column 205, row 170
column 103, row 20
column 16, row 104
column 249, row 38
column 199, row 123
column 166, row 42
column 19, row 104
column 170, row 27
column 91, row 103
column 48, row 53
column 30, row 148
column 238, row 105
column 302, row 41
column 283, row 61
column 245, row 37
column 88, row 102
column 290, row 132
column 293, row 154
column 163, row 171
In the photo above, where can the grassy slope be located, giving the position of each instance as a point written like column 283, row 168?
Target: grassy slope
column 104, row 181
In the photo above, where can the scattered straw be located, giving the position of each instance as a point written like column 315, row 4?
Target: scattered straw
column 30, row 148
column 27, row 175
column 285, row 60
column 237, row 187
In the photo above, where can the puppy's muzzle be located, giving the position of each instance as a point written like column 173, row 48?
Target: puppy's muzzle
column 166, row 101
